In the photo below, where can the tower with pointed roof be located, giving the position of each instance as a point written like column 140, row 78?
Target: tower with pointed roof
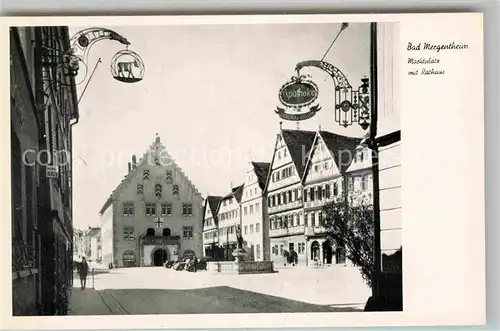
column 154, row 215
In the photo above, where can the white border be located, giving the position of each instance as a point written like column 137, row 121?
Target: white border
column 442, row 175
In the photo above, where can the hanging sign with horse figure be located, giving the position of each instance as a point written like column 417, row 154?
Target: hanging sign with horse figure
column 127, row 66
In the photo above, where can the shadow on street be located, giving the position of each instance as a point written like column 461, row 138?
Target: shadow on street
column 211, row 300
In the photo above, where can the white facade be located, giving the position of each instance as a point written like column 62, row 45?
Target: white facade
column 284, row 194
column 389, row 145
column 107, row 236
column 154, row 215
column 322, row 183
column 255, row 229
column 229, row 217
column 210, row 223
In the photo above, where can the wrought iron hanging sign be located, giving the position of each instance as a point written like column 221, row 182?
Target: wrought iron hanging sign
column 127, row 66
column 350, row 106
column 81, row 44
column 296, row 95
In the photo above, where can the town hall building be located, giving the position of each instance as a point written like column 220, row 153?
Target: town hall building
column 154, row 215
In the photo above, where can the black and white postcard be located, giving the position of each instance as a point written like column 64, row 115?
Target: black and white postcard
column 242, row 171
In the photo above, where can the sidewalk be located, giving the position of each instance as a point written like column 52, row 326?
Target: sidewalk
column 87, row 302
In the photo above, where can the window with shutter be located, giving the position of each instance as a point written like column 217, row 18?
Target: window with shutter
column 158, row 190
column 169, row 177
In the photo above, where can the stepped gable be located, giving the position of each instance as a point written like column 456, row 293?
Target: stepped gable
column 299, row 145
column 261, row 170
column 342, row 148
column 155, row 148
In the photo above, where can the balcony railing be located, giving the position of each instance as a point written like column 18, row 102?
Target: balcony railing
column 291, row 205
column 154, row 240
column 311, row 230
column 287, row 231
column 317, row 203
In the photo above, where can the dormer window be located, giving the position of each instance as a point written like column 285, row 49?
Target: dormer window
column 158, row 190
column 146, row 174
column 140, row 189
column 157, row 160
column 169, row 177
column 175, row 189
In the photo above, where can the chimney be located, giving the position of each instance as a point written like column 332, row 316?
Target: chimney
column 129, row 167
column 134, row 161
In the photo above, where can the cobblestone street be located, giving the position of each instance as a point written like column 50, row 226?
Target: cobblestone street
column 165, row 291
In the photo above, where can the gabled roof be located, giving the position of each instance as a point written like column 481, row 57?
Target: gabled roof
column 212, row 202
column 299, row 144
column 128, row 177
column 341, row 148
column 237, row 192
column 261, row 170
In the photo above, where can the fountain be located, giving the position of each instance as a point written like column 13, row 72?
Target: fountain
column 241, row 265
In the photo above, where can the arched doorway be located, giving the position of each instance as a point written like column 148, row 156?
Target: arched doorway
column 160, row 256
column 129, row 259
column 314, row 251
column 327, row 252
column 167, row 232
column 150, row 232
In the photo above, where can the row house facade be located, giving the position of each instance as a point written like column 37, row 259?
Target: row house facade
column 93, row 248
column 254, row 228
column 79, row 244
column 229, row 221
column 285, row 193
column 244, row 209
column 153, row 216
column 211, row 239
column 44, row 108
column 281, row 202
column 325, row 179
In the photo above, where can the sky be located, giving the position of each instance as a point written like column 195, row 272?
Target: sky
column 210, row 92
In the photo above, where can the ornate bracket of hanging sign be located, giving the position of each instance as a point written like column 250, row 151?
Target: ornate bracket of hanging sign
column 350, row 106
column 126, row 65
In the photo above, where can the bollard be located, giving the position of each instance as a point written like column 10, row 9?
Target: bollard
column 92, row 278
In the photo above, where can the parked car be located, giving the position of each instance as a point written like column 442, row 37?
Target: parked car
column 202, row 263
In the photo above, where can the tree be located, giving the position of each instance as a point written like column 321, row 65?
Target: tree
column 350, row 225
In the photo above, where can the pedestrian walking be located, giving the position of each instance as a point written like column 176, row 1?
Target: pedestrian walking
column 83, row 271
